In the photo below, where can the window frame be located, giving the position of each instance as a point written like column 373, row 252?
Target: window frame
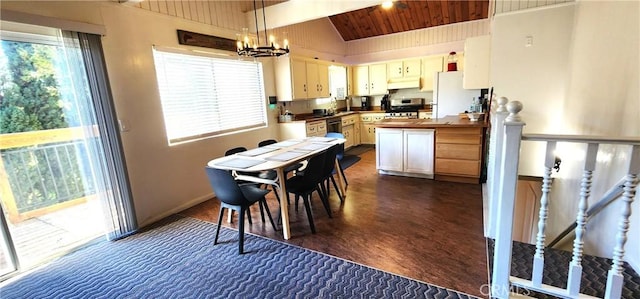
column 213, row 57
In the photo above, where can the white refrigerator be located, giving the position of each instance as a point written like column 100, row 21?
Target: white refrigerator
column 449, row 98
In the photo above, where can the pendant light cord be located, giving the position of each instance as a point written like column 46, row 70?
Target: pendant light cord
column 255, row 17
column 264, row 21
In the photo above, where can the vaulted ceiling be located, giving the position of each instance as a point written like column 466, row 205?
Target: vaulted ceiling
column 407, row 15
column 353, row 20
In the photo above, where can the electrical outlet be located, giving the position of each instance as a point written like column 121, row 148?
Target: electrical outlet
column 528, row 41
column 124, row 125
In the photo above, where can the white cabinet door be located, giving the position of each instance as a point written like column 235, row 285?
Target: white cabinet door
column 477, row 55
column 299, row 78
column 411, row 68
column 418, row 150
column 431, row 65
column 348, row 135
column 313, row 83
column 361, row 80
column 377, row 79
column 389, row 149
column 394, row 70
column 323, row 81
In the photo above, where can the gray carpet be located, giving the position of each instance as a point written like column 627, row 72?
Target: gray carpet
column 177, row 259
column 594, row 276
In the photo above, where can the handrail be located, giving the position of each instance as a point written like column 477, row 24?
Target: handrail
column 610, row 196
column 583, row 138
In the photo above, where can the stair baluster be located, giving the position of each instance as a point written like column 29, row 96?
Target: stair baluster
column 575, row 268
column 615, row 278
column 538, row 258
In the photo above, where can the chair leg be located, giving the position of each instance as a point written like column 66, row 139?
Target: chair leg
column 344, row 177
column 220, row 216
column 249, row 216
column 260, row 203
column 325, row 201
column 241, row 231
column 335, row 185
column 266, row 207
column 307, row 207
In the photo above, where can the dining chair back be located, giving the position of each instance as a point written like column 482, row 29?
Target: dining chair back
column 303, row 185
column 267, row 142
column 235, row 197
column 340, row 154
column 327, row 176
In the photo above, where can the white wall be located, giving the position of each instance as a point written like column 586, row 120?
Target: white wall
column 579, row 77
column 164, row 179
column 603, row 98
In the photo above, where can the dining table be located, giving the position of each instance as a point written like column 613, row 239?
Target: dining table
column 278, row 157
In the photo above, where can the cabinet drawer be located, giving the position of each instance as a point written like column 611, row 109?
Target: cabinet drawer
column 366, row 118
column 458, row 151
column 458, row 167
column 459, row 131
column 458, row 138
column 312, row 129
column 322, row 127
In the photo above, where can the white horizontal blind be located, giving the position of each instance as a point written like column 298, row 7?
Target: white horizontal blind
column 204, row 96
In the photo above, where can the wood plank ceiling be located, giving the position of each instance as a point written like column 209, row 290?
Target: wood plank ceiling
column 407, row 15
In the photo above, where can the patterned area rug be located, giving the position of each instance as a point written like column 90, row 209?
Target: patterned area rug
column 594, row 271
column 177, row 259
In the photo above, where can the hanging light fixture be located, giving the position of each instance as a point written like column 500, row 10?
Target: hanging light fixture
column 249, row 47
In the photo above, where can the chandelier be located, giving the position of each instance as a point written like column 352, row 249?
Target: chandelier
column 249, row 47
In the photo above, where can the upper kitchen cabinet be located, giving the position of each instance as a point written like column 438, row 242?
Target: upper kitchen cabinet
column 477, row 53
column 370, row 79
column 430, row 65
column 403, row 69
column 299, row 79
column 317, row 80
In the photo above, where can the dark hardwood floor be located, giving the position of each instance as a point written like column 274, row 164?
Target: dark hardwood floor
column 422, row 229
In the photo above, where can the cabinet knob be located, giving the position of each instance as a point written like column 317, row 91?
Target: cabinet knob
column 304, row 87
column 407, row 70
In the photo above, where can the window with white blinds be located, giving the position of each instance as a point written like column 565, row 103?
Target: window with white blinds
column 204, row 96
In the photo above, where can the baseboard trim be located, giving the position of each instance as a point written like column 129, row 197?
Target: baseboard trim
column 177, row 209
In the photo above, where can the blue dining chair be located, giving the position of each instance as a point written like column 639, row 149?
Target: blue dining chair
column 237, row 198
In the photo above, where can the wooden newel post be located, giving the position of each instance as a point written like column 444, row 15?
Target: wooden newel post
column 508, row 178
column 495, row 159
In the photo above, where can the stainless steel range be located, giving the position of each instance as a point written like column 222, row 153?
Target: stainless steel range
column 404, row 108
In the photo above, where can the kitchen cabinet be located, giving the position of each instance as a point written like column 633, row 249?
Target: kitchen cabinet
column 367, row 128
column 317, row 80
column 430, row 66
column 403, row 69
column 477, row 55
column 370, row 79
column 407, row 152
column 348, row 130
column 300, row 79
column 316, row 128
column 357, row 137
column 458, row 154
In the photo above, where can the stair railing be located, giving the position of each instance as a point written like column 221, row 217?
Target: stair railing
column 610, row 196
column 506, row 176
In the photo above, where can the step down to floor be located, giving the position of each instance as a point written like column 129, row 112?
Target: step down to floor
column 594, row 275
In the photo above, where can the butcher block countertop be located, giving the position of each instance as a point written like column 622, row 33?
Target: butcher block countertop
column 448, row 121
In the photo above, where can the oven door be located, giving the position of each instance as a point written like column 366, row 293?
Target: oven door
column 334, row 125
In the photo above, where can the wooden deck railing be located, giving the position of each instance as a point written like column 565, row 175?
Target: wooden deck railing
column 31, row 139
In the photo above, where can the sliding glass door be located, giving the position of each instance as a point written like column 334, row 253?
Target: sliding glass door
column 56, row 179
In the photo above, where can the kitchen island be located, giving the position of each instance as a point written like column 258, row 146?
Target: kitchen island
column 446, row 149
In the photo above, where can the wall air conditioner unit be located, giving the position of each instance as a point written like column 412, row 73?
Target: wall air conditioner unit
column 401, row 83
